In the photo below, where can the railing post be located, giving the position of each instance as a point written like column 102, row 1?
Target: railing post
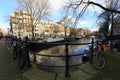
column 67, row 74
column 92, row 47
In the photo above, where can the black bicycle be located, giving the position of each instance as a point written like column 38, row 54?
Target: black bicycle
column 95, row 57
column 9, row 44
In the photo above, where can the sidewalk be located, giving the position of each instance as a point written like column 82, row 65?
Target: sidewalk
column 9, row 70
column 8, row 67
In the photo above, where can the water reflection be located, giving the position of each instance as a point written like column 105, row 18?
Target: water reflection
column 60, row 50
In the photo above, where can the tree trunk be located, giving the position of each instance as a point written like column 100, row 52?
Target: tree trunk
column 33, row 37
column 107, row 25
column 111, row 34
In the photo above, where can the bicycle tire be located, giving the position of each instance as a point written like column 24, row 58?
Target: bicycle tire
column 19, row 62
column 9, row 46
column 97, row 60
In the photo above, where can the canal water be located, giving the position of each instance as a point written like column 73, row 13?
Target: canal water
column 72, row 48
column 60, row 50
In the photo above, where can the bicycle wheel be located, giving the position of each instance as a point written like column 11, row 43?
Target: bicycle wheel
column 9, row 46
column 97, row 60
column 19, row 62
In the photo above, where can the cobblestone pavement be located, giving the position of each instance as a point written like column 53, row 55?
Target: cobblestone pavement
column 8, row 66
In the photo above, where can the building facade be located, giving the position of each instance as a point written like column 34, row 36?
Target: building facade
column 3, row 32
column 20, row 23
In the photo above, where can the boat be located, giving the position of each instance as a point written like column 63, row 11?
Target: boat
column 36, row 46
column 79, row 37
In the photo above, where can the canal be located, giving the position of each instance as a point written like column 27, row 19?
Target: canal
column 72, row 48
column 60, row 50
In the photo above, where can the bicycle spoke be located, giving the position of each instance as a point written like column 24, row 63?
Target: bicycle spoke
column 98, row 60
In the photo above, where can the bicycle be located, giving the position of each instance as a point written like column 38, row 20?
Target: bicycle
column 9, row 44
column 95, row 57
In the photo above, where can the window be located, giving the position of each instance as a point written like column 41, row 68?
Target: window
column 30, row 34
column 13, row 25
column 20, row 21
column 46, row 30
column 17, row 16
column 24, row 20
column 36, row 30
column 36, row 34
column 29, row 17
column 24, row 16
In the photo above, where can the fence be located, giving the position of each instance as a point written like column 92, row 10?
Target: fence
column 66, row 56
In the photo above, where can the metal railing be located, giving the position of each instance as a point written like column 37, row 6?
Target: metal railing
column 66, row 56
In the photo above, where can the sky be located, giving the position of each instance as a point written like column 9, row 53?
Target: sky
column 7, row 7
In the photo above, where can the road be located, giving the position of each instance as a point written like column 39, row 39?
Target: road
column 8, row 66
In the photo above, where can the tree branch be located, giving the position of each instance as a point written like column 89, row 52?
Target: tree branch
column 106, row 9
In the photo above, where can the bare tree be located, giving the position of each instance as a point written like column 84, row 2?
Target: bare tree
column 108, row 17
column 103, row 29
column 104, row 8
column 78, row 7
column 39, row 9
